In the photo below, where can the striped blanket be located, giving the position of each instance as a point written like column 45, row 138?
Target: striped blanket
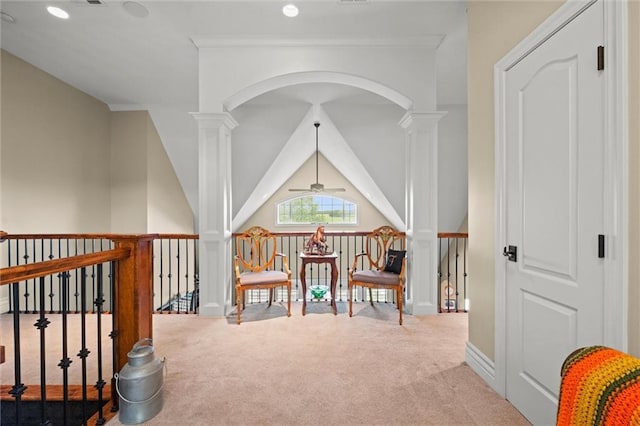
column 600, row 386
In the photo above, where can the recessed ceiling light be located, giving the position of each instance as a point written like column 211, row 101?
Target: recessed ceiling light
column 135, row 9
column 7, row 18
column 57, row 12
column 290, row 10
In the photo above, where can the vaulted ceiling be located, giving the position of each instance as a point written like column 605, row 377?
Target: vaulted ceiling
column 140, row 55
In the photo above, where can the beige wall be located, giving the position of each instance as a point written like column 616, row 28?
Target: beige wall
column 368, row 216
column 129, row 172
column 494, row 29
column 634, row 177
column 168, row 208
column 69, row 165
column 55, row 154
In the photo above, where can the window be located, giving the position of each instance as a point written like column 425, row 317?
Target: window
column 310, row 209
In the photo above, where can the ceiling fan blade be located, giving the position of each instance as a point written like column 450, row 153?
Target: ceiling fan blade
column 299, row 190
column 334, row 190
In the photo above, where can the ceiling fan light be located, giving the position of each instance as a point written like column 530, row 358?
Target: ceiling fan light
column 57, row 12
column 290, row 10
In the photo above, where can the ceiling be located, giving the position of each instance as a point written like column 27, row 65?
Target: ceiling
column 131, row 62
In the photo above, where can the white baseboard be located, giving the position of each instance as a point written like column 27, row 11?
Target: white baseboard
column 481, row 365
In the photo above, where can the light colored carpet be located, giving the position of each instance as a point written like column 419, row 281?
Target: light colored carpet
column 321, row 369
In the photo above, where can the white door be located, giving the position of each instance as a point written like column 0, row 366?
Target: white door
column 554, row 211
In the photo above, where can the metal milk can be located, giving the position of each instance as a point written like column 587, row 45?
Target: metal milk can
column 139, row 384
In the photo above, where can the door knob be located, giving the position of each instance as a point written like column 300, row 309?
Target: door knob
column 511, row 253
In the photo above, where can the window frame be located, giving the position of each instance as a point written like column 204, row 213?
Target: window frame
column 344, row 202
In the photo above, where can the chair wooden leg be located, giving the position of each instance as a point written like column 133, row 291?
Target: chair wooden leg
column 399, row 297
column 270, row 296
column 371, row 296
column 239, row 302
column 350, row 291
column 289, row 300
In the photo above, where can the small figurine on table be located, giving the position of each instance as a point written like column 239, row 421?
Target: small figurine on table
column 317, row 243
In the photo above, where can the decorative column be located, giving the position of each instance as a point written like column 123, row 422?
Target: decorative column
column 214, row 211
column 421, row 135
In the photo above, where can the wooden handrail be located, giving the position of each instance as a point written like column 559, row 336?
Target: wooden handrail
column 178, row 236
column 19, row 273
column 88, row 236
column 5, row 236
column 453, row 235
column 326, row 233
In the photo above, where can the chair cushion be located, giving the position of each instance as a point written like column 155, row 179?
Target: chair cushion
column 394, row 261
column 264, row 277
column 376, row 277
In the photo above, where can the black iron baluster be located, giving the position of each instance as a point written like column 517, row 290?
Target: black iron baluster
column 84, row 352
column 76, row 294
column 297, row 268
column 186, row 275
column 68, row 278
column 362, row 260
column 178, row 295
column 85, row 275
column 93, row 279
column 196, row 279
column 464, row 266
column 169, row 277
column 51, row 294
column 42, row 295
column 18, row 388
column 35, row 292
column 114, row 349
column 111, row 280
column 59, row 275
column 448, row 275
column 99, row 301
column 349, row 264
column 161, row 276
column 41, row 325
column 65, row 362
column 457, row 293
column 340, row 276
column 25, row 256
column 11, row 304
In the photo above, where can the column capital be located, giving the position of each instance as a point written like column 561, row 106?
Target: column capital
column 214, row 120
column 420, row 119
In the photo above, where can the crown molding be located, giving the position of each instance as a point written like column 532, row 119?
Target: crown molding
column 432, row 41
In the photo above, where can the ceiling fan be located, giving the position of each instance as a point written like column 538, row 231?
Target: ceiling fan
column 317, row 187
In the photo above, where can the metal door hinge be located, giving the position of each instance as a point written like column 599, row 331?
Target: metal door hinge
column 600, row 58
column 600, row 246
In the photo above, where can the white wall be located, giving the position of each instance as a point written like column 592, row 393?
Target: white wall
column 452, row 168
column 368, row 216
column 224, row 71
column 257, row 141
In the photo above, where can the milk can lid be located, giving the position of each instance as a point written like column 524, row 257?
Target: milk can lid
column 141, row 353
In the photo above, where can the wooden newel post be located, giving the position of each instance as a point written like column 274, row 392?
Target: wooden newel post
column 133, row 295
